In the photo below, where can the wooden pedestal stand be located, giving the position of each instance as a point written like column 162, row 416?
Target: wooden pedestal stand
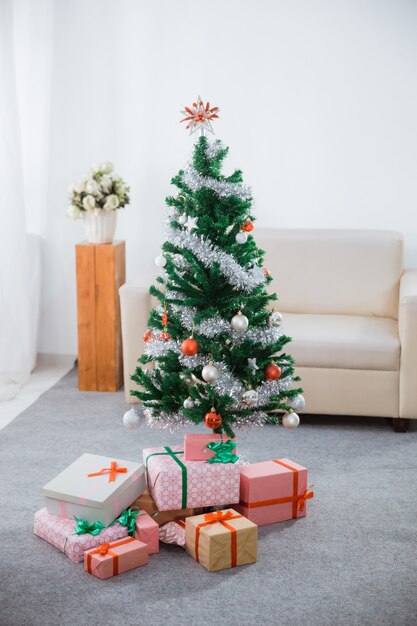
column 100, row 273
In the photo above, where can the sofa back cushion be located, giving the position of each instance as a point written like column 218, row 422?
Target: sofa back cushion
column 346, row 272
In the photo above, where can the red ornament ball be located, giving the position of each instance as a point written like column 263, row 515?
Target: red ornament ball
column 165, row 335
column 189, row 347
column 247, row 226
column 267, row 272
column 272, row 371
column 212, row 420
column 147, row 336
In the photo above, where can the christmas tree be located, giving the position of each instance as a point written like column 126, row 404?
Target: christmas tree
column 214, row 349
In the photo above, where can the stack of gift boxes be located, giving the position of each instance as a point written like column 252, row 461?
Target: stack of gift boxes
column 112, row 514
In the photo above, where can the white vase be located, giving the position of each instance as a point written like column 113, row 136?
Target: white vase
column 100, row 227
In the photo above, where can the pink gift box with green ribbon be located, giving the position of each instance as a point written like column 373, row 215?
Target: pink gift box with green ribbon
column 74, row 538
column 175, row 483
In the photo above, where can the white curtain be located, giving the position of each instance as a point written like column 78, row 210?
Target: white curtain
column 19, row 248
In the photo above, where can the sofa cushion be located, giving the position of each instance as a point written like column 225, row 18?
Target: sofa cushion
column 343, row 341
column 342, row 272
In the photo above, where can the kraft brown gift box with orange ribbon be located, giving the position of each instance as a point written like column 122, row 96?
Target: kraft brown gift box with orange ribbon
column 145, row 502
column 273, row 491
column 116, row 557
column 221, row 540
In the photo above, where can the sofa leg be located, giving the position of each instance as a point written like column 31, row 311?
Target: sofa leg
column 400, row 424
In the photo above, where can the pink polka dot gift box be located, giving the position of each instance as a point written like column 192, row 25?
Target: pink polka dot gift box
column 59, row 532
column 175, row 483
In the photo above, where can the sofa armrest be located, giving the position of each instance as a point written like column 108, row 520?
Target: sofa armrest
column 135, row 304
column 407, row 328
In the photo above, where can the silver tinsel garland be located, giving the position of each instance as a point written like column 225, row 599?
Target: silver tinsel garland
column 166, row 421
column 215, row 325
column 213, row 148
column 161, row 347
column 222, row 188
column 208, row 253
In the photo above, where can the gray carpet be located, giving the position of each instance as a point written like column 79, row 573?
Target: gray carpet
column 351, row 561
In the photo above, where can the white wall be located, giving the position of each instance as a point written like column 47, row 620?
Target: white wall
column 318, row 105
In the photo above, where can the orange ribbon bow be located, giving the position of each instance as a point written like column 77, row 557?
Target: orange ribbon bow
column 113, row 470
column 213, row 518
column 106, row 549
column 307, row 495
column 103, row 549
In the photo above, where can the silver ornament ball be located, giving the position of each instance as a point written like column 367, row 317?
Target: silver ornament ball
column 241, row 237
column 250, row 397
column 182, row 219
column 188, row 403
column 290, row 420
column 239, row 322
column 131, row 419
column 297, row 402
column 210, row 373
column 160, row 261
column 275, row 319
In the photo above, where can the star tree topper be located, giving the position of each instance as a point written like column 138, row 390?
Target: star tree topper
column 199, row 116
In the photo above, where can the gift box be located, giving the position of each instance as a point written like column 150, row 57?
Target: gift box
column 117, row 557
column 221, row 540
column 173, row 532
column 95, row 488
column 175, row 483
column 195, row 446
column 147, row 531
column 145, row 502
column 72, row 537
column 273, row 491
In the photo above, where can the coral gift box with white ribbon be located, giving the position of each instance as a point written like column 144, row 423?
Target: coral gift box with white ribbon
column 95, row 488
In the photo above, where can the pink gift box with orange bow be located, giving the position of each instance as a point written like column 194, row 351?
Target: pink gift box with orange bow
column 117, row 557
column 273, row 491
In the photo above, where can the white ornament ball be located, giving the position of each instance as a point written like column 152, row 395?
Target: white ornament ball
column 182, row 219
column 131, row 419
column 188, row 403
column 275, row 319
column 297, row 402
column 241, row 237
column 250, row 397
column 210, row 373
column 290, row 420
column 160, row 261
column 239, row 322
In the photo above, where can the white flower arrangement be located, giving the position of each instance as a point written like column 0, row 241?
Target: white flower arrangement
column 101, row 190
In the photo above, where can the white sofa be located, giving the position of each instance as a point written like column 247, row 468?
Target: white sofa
column 351, row 310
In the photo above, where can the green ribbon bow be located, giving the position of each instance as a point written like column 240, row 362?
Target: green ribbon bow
column 173, row 454
column 82, row 527
column 223, row 451
column 128, row 518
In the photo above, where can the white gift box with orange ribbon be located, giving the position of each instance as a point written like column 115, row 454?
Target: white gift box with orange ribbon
column 95, row 488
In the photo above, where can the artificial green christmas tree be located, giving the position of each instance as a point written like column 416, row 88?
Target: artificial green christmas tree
column 214, row 349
